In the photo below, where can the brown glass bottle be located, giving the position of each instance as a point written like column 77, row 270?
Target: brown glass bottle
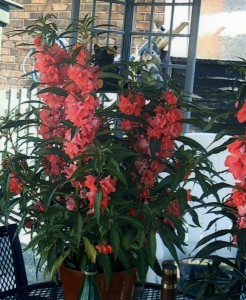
column 169, row 282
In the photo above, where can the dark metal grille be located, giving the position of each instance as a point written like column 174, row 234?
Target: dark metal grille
column 7, row 271
column 151, row 292
column 51, row 291
column 45, row 291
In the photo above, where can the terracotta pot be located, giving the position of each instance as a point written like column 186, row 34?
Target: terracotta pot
column 121, row 286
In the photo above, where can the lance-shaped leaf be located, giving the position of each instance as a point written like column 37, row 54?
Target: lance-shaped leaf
column 165, row 182
column 190, row 142
column 54, row 90
column 167, row 242
column 112, row 75
column 128, row 239
column 77, row 228
column 241, row 239
column 142, row 265
column 105, row 263
column 97, row 205
column 56, row 151
column 151, row 246
column 212, row 236
column 51, row 191
column 124, row 259
column 115, row 239
column 18, row 123
column 212, row 247
column 154, row 146
column 114, row 169
column 58, row 262
column 131, row 221
column 90, row 250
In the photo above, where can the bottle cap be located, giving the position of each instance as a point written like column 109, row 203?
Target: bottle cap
column 90, row 269
column 169, row 274
column 169, row 269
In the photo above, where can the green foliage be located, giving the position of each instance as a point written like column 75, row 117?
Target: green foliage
column 208, row 285
column 122, row 220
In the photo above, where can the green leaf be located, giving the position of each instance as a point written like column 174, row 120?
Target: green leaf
column 58, row 262
column 114, row 169
column 120, row 115
column 190, row 142
column 176, row 239
column 130, row 220
column 97, row 205
column 128, row 239
column 165, row 182
column 90, row 250
column 34, row 242
column 151, row 246
column 182, row 199
column 142, row 265
column 77, row 228
column 29, row 73
column 105, row 263
column 214, row 119
column 155, row 146
column 194, row 217
column 141, row 237
column 220, row 148
column 176, row 179
column 34, row 85
column 157, row 268
column 201, row 180
column 213, row 236
column 215, row 187
column 124, row 259
column 226, row 261
column 51, row 191
column 75, row 53
column 211, row 223
column 112, row 75
column 56, row 151
column 241, row 239
column 212, row 247
column 119, row 152
column 54, row 90
column 167, row 242
column 18, row 123
column 115, row 239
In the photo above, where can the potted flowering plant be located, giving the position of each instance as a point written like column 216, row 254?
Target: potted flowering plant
column 99, row 181
column 232, row 208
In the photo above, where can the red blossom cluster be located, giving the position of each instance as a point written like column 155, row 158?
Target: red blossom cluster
column 236, row 163
column 104, row 248
column 79, row 79
column 49, row 62
column 15, row 185
column 39, row 207
column 163, row 125
column 173, row 208
column 107, row 185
